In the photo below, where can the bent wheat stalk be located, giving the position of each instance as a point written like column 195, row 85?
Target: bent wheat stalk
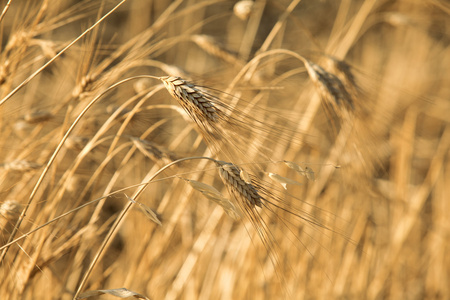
column 55, row 153
column 231, row 130
column 331, row 88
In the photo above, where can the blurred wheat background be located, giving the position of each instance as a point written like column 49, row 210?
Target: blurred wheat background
column 338, row 110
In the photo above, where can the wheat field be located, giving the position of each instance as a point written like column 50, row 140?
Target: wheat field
column 223, row 149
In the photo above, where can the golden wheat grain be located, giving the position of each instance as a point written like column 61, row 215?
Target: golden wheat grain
column 202, row 108
column 259, row 203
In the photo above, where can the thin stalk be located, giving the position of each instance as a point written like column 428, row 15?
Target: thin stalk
column 5, row 9
column 58, row 55
column 113, row 231
column 55, row 153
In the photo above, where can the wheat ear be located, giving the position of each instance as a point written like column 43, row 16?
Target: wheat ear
column 9, row 213
column 331, row 87
column 238, row 186
column 197, row 104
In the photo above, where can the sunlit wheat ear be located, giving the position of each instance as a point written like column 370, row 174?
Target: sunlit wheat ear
column 242, row 190
column 9, row 213
column 331, row 88
column 242, row 9
column 200, row 106
column 192, row 99
column 20, row 165
column 36, row 117
column 4, row 71
column 118, row 293
column 83, row 87
column 247, row 194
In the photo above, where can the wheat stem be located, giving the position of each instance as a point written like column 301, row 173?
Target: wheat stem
column 55, row 153
column 7, row 97
column 113, row 231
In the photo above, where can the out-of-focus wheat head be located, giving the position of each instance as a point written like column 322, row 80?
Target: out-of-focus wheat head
column 9, row 213
column 331, row 87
